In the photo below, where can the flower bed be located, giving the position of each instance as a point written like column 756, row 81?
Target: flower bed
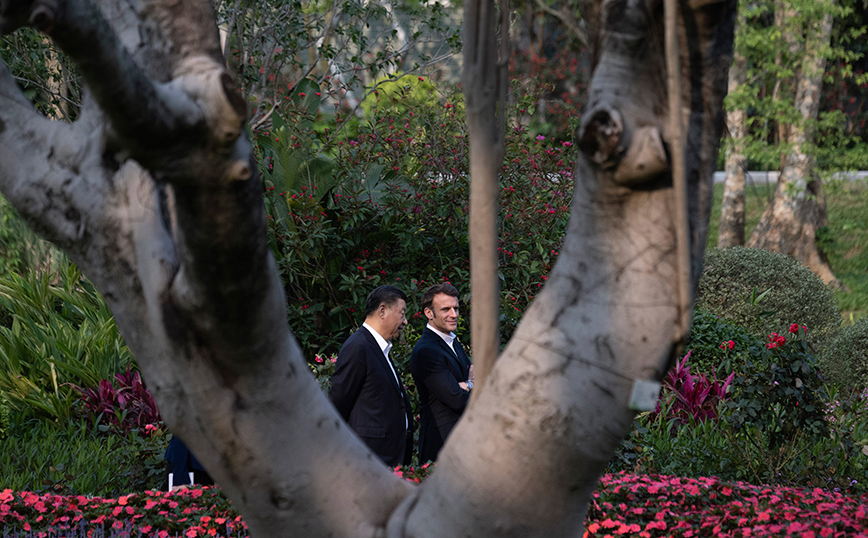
column 191, row 512
column 624, row 505
column 654, row 505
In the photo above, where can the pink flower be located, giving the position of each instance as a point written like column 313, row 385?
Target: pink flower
column 794, row 328
column 317, row 358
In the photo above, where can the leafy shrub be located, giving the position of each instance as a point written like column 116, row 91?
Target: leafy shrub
column 73, row 458
column 656, row 446
column 709, row 343
column 385, row 201
column 779, row 392
column 844, row 358
column 778, row 407
column 687, row 398
column 61, row 335
column 121, row 404
column 765, row 292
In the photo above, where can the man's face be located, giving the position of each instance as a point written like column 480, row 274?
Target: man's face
column 395, row 318
column 443, row 314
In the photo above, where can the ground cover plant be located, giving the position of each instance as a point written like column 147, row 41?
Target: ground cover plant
column 624, row 504
column 77, row 458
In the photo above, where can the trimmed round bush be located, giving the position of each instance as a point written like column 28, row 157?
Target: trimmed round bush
column 844, row 358
column 766, row 292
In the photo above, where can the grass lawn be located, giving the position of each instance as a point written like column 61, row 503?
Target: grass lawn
column 844, row 240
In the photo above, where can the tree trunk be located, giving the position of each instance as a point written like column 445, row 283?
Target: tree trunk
column 789, row 224
column 732, row 210
column 485, row 84
column 153, row 192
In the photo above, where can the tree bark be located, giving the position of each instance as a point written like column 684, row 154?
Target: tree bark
column 485, row 84
column 732, row 210
column 153, row 192
column 789, row 224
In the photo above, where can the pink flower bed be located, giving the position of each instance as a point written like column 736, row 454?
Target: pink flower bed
column 654, row 505
column 190, row 513
column 623, row 505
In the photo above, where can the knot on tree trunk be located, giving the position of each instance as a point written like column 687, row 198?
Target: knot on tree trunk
column 634, row 155
column 213, row 89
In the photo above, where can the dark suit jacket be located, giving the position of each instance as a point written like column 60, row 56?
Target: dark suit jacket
column 373, row 404
column 437, row 372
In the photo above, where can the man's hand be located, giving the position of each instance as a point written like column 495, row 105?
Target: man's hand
column 464, row 386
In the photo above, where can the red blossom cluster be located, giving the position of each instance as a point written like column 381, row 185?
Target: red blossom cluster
column 776, row 340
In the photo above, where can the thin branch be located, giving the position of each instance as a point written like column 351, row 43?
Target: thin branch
column 572, row 24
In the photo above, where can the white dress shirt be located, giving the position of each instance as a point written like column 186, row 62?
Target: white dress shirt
column 448, row 338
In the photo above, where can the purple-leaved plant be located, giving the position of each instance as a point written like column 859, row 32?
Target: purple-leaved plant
column 690, row 398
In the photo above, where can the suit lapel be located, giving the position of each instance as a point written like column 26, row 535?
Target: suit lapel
column 384, row 362
column 456, row 362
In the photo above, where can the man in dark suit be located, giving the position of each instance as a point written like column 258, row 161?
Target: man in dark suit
column 366, row 388
column 441, row 370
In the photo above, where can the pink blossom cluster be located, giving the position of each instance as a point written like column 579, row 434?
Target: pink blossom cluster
column 188, row 512
column 648, row 506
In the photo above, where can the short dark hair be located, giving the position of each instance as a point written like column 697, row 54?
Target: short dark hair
column 428, row 296
column 387, row 295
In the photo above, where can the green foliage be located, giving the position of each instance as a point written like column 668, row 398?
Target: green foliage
column 44, row 73
column 844, row 240
column 709, row 343
column 778, row 394
column 72, row 458
column 696, row 449
column 765, row 292
column 392, row 209
column 844, row 358
column 776, row 38
column 60, row 336
column 273, row 45
column 21, row 250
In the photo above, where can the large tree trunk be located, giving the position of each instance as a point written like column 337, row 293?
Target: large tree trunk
column 789, row 224
column 732, row 210
column 154, row 193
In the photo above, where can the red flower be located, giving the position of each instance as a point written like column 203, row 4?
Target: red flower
column 794, row 328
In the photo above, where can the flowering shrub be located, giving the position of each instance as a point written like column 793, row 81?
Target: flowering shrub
column 415, row 474
column 323, row 368
column 687, row 398
column 707, row 335
column 779, row 392
column 354, row 205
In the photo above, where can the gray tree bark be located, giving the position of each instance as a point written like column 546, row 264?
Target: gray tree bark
column 485, row 84
column 732, row 210
column 153, row 192
column 789, row 224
